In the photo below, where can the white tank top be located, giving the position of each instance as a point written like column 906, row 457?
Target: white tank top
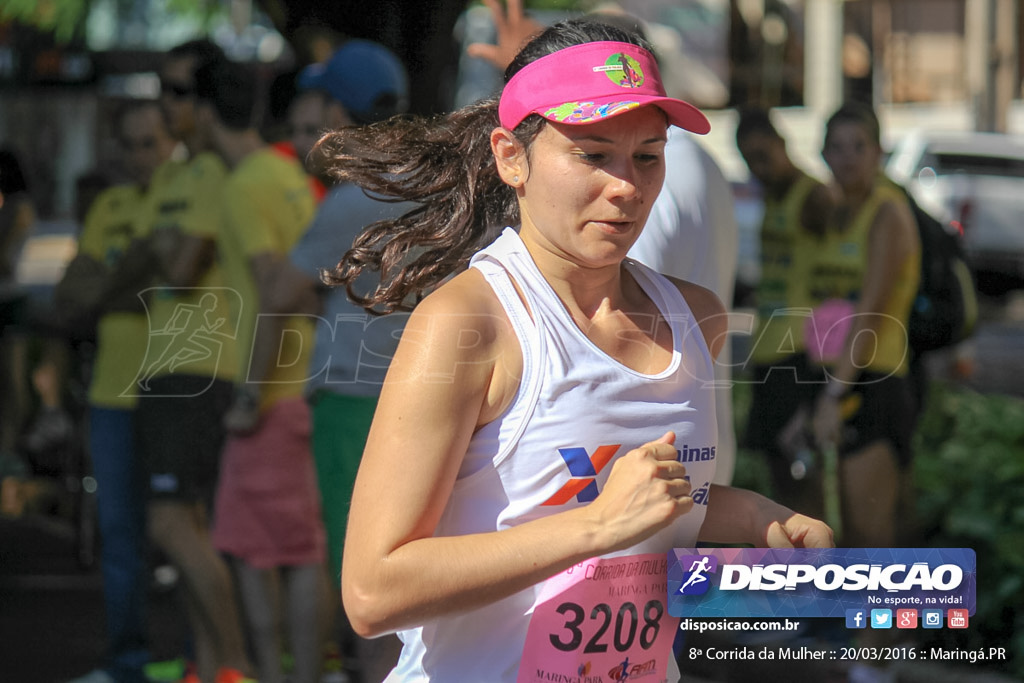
column 576, row 411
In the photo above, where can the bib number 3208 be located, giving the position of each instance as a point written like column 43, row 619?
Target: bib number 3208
column 605, row 619
column 621, row 629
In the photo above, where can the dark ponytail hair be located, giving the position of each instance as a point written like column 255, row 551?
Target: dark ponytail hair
column 445, row 166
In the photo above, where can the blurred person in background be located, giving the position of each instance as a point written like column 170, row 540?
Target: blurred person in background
column 352, row 348
column 101, row 283
column 267, row 509
column 293, row 125
column 37, row 431
column 869, row 269
column 17, row 216
column 796, row 209
column 187, row 374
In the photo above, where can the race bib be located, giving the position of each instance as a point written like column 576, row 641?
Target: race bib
column 602, row 620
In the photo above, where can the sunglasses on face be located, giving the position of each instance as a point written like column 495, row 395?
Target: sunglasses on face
column 176, row 89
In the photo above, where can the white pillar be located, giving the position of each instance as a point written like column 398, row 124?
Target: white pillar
column 979, row 22
column 991, row 45
column 823, row 69
column 1005, row 79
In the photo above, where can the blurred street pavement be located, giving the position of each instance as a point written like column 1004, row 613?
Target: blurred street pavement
column 51, row 609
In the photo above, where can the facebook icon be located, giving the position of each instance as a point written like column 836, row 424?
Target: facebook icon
column 856, row 618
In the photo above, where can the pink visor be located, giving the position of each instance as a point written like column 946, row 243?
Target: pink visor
column 590, row 82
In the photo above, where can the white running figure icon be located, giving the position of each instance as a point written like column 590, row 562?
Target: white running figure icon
column 697, row 569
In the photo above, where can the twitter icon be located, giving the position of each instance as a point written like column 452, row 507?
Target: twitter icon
column 881, row 618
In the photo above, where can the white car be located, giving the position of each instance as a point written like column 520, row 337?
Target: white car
column 973, row 182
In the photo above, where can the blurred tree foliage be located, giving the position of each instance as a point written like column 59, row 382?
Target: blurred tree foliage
column 969, row 478
column 420, row 33
column 62, row 17
column 969, row 493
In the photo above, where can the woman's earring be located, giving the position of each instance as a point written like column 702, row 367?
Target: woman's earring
column 515, row 179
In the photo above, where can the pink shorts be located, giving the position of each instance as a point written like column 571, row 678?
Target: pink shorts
column 267, row 510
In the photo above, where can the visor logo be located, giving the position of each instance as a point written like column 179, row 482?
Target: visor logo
column 622, row 70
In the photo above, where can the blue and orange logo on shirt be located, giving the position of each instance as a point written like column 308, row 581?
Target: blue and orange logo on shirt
column 584, row 469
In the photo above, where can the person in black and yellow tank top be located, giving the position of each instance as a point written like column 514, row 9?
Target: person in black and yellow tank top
column 871, row 260
column 796, row 207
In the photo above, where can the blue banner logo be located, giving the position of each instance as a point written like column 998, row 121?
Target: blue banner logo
column 833, row 582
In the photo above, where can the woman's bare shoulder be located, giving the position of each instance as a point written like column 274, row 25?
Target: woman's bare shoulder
column 463, row 325
column 462, row 321
column 466, row 295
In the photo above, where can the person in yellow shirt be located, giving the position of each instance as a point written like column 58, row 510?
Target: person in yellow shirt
column 796, row 208
column 184, row 383
column 106, row 284
column 870, row 263
column 267, row 502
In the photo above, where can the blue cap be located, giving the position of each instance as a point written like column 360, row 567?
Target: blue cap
column 365, row 77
